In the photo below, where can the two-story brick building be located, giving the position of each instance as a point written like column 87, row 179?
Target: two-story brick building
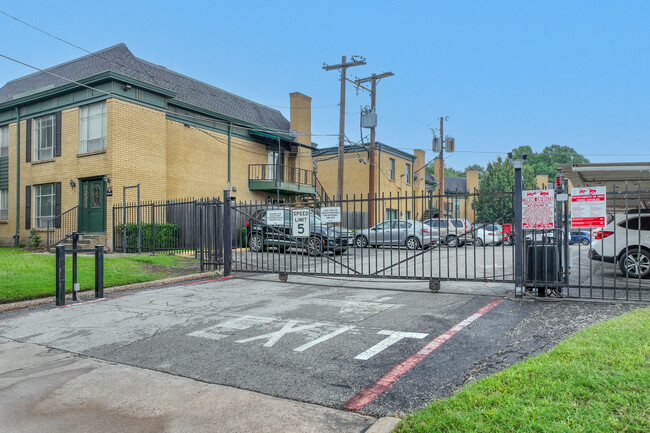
column 72, row 136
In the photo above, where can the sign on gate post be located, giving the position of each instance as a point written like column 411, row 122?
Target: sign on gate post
column 275, row 217
column 538, row 209
column 588, row 207
column 330, row 215
column 300, row 223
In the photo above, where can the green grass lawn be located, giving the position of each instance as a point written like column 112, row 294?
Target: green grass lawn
column 595, row 381
column 25, row 275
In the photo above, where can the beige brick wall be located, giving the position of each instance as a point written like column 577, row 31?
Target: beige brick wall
column 356, row 179
column 197, row 163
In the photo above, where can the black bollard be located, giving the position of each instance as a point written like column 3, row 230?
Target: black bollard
column 60, row 275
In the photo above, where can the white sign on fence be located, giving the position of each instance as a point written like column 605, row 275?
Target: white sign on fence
column 588, row 207
column 275, row 217
column 330, row 215
column 538, row 209
column 300, row 223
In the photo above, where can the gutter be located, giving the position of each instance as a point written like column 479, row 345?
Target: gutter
column 17, row 234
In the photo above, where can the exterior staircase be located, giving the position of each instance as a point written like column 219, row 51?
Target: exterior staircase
column 86, row 241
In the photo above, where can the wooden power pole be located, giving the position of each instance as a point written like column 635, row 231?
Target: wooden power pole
column 343, row 66
column 371, row 173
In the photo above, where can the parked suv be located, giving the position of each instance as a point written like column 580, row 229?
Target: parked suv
column 322, row 237
column 453, row 232
column 626, row 241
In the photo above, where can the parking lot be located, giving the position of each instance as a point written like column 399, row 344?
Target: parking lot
column 374, row 346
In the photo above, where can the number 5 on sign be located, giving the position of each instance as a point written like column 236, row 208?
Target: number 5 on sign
column 300, row 223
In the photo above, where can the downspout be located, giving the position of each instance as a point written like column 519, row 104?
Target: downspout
column 229, row 143
column 17, row 235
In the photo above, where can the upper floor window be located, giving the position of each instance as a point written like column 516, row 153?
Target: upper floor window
column 4, row 141
column 391, row 168
column 44, row 132
column 4, row 204
column 408, row 174
column 92, row 127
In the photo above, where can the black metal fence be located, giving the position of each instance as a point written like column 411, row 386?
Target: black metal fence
column 187, row 226
column 610, row 263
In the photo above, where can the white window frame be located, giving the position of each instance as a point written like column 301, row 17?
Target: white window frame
column 40, row 220
column 4, row 204
column 39, row 136
column 391, row 168
column 96, row 143
column 407, row 173
column 4, row 141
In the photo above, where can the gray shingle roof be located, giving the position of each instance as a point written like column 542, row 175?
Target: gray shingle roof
column 455, row 184
column 119, row 59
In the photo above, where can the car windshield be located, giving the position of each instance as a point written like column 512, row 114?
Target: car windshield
column 314, row 219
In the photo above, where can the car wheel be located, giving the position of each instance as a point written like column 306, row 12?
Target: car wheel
column 256, row 242
column 635, row 263
column 479, row 242
column 452, row 241
column 508, row 241
column 315, row 246
column 361, row 242
column 585, row 241
column 412, row 243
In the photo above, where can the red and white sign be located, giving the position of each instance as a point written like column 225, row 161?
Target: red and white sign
column 538, row 209
column 588, row 207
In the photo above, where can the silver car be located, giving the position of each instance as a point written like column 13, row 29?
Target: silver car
column 409, row 233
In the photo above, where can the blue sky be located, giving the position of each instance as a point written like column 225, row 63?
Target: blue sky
column 507, row 73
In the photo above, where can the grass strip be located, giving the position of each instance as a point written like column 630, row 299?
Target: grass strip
column 595, row 381
column 25, row 275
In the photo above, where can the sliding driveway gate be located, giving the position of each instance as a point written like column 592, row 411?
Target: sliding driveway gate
column 402, row 237
column 382, row 237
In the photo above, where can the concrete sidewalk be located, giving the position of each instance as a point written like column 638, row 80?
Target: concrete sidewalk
column 44, row 389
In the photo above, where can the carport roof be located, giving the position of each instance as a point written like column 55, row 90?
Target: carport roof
column 633, row 177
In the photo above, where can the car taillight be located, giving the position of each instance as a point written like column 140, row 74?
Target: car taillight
column 425, row 231
column 602, row 234
column 501, row 232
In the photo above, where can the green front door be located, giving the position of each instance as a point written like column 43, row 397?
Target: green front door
column 92, row 206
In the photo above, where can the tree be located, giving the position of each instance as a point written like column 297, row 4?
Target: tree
column 493, row 204
column 547, row 160
column 475, row 167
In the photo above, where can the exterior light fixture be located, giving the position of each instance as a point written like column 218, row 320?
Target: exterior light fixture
column 72, row 184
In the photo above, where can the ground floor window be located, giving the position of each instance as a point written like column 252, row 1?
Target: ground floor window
column 391, row 214
column 44, row 201
column 4, row 204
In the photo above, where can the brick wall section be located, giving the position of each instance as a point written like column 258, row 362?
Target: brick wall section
column 356, row 177
column 197, row 163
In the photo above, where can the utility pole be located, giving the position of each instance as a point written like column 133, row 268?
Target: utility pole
column 343, row 66
column 447, row 144
column 371, row 173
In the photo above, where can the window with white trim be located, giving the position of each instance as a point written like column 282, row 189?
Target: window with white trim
column 44, row 131
column 4, row 204
column 408, row 174
column 4, row 141
column 92, row 127
column 391, row 168
column 44, row 201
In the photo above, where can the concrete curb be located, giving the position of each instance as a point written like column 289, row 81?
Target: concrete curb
column 384, row 425
column 135, row 286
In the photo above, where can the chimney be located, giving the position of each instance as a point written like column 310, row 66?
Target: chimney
column 301, row 124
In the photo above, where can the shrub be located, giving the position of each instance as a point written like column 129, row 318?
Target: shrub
column 34, row 240
column 166, row 236
column 244, row 238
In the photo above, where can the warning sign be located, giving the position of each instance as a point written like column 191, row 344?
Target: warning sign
column 330, row 215
column 588, row 207
column 538, row 209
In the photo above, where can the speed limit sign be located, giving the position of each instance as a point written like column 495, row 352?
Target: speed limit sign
column 300, row 223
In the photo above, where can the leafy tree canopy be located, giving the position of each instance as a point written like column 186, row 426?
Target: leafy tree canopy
column 546, row 161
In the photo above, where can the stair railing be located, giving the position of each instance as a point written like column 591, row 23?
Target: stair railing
column 61, row 227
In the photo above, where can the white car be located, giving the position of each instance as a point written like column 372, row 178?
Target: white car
column 626, row 241
column 488, row 234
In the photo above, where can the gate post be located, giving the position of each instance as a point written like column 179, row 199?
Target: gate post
column 60, row 275
column 518, row 229
column 227, row 235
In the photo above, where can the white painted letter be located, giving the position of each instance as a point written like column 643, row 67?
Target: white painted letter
column 393, row 337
